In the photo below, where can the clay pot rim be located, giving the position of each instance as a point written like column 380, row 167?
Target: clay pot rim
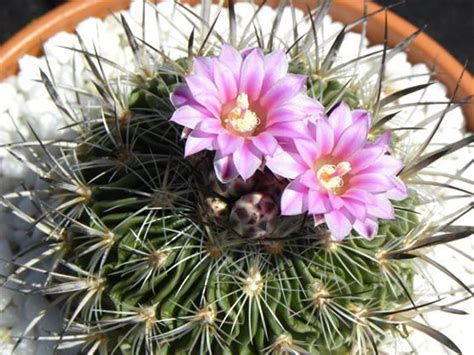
column 423, row 49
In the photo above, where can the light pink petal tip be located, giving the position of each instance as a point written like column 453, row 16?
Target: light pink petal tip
column 351, row 140
column 340, row 119
column 285, row 165
column 225, row 82
column 367, row 228
column 247, row 160
column 228, row 143
column 225, row 168
column 231, row 58
column 181, row 96
column 203, row 67
column 399, row 190
column 317, row 203
column 276, row 67
column 190, row 116
column 307, row 151
column 266, row 143
column 252, row 74
column 324, row 137
column 283, row 91
column 198, row 141
column 338, row 223
column 293, row 199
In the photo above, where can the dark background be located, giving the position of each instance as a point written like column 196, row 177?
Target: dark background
column 450, row 22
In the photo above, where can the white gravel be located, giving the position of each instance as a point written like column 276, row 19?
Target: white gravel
column 25, row 100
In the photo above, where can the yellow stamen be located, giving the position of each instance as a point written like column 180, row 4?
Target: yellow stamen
column 240, row 119
column 331, row 177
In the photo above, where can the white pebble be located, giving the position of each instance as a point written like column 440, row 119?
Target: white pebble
column 7, row 93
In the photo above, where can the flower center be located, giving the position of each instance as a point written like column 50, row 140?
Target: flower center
column 241, row 120
column 331, row 177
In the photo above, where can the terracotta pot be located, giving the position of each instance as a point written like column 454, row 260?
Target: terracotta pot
column 423, row 49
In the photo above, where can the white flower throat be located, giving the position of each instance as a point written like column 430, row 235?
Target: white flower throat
column 240, row 118
column 331, row 177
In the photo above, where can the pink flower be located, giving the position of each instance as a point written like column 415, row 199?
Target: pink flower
column 340, row 176
column 243, row 106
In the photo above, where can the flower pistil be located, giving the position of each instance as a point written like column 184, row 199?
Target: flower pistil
column 241, row 120
column 331, row 177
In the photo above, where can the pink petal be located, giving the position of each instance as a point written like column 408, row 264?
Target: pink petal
column 204, row 92
column 311, row 109
column 199, row 85
column 186, row 132
column 232, row 59
column 245, row 52
column 359, row 195
column 338, row 224
column 202, row 66
column 318, row 203
column 189, row 116
column 340, row 119
column 251, row 74
column 364, row 158
column 391, row 165
column 285, row 165
column 399, row 190
column 300, row 108
column 225, row 82
column 211, row 103
column 336, row 202
column 288, row 130
column 266, row 143
column 228, row 143
column 181, row 96
column 351, row 140
column 318, row 219
column 307, row 150
column 225, row 168
column 247, row 160
column 361, row 115
column 368, row 228
column 309, row 179
column 198, row 141
column 293, row 199
column 370, row 182
column 355, row 208
column 282, row 91
column 280, row 114
column 212, row 126
column 308, row 104
column 324, row 137
column 382, row 208
column 276, row 66
column 383, row 140
column 387, row 165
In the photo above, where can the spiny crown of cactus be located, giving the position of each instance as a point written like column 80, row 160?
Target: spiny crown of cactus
column 164, row 240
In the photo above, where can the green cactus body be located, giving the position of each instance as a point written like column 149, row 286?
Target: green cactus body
column 178, row 277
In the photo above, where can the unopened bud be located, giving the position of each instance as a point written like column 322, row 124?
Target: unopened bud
column 232, row 189
column 254, row 215
column 216, row 207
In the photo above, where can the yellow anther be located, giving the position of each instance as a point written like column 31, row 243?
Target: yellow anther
column 331, row 177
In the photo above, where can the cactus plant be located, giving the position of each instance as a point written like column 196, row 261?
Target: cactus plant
column 154, row 243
